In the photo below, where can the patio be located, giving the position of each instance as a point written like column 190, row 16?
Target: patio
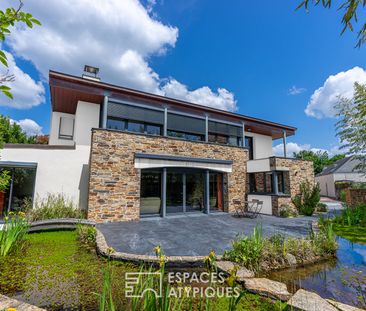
column 194, row 234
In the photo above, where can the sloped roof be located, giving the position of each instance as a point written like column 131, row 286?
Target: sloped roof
column 344, row 165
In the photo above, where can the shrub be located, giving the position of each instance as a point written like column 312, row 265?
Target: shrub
column 287, row 211
column 13, row 233
column 54, row 206
column 86, row 234
column 342, row 196
column 321, row 207
column 308, row 198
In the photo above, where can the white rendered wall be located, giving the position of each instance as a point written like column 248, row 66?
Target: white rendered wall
column 59, row 170
column 262, row 145
column 267, row 202
column 326, row 183
column 54, row 129
column 86, row 118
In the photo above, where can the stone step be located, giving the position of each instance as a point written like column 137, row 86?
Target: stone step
column 267, row 288
column 308, row 301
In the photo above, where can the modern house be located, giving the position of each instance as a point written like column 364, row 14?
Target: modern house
column 338, row 176
column 122, row 154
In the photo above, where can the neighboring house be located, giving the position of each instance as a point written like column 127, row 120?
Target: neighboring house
column 122, row 154
column 340, row 172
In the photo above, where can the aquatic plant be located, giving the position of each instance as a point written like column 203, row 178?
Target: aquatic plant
column 258, row 253
column 13, row 232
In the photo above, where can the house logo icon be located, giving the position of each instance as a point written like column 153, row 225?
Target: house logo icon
column 135, row 279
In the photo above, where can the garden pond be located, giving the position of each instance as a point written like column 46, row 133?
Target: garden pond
column 53, row 270
column 342, row 278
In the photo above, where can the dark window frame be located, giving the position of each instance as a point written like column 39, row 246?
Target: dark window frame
column 250, row 146
column 127, row 121
column 185, row 134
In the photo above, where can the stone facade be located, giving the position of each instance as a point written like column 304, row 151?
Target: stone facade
column 298, row 172
column 114, row 185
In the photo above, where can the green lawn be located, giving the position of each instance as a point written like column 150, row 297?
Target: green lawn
column 352, row 233
column 55, row 271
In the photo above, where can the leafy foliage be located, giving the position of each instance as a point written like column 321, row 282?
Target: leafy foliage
column 8, row 18
column 320, row 159
column 86, row 234
column 352, row 216
column 350, row 9
column 4, row 180
column 12, row 133
column 256, row 252
column 351, row 128
column 308, row 198
column 52, row 207
column 13, row 233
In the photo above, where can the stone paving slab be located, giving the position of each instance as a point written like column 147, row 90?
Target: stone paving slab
column 195, row 234
column 6, row 302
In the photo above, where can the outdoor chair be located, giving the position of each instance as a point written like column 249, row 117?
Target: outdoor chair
column 251, row 209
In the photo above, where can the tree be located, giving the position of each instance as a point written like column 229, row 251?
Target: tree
column 351, row 127
column 351, row 10
column 320, row 159
column 9, row 18
column 10, row 132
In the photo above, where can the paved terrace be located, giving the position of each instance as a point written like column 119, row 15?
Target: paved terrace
column 195, row 234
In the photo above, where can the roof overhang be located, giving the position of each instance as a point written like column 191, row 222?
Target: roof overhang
column 148, row 161
column 67, row 90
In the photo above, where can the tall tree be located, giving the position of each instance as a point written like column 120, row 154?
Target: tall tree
column 8, row 18
column 351, row 10
column 10, row 132
column 351, row 127
column 320, row 159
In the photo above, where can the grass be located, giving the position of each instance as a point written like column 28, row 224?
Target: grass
column 352, row 233
column 56, row 271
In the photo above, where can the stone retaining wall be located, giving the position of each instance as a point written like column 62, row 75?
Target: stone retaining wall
column 114, row 186
column 355, row 196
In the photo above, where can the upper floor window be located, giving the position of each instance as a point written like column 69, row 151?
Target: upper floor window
column 66, row 128
column 187, row 136
column 132, row 126
column 186, row 127
column 249, row 145
column 223, row 133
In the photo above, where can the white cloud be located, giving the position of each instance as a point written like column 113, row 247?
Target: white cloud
column 27, row 93
column 294, row 90
column 29, row 126
column 322, row 101
column 295, row 147
column 222, row 99
column 116, row 36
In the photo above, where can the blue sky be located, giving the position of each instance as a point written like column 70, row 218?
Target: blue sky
column 257, row 51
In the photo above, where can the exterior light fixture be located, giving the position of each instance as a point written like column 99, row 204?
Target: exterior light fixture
column 91, row 73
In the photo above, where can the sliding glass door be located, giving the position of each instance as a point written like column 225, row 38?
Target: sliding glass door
column 195, row 192
column 185, row 191
column 174, row 192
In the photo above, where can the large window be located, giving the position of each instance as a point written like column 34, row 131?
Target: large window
column 150, row 196
column 186, row 127
column 263, row 182
column 66, row 129
column 133, row 126
column 223, row 133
